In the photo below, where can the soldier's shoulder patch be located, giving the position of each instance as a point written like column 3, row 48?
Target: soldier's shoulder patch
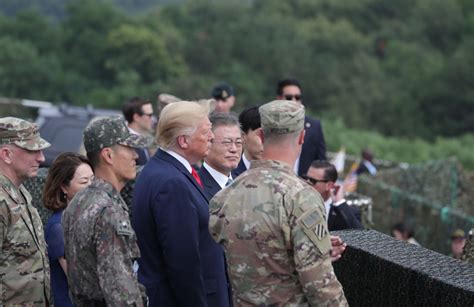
column 314, row 226
column 124, row 228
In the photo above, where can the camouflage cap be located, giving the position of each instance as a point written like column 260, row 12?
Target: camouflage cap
column 282, row 117
column 107, row 131
column 21, row 133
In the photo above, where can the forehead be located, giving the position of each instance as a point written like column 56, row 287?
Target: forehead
column 291, row 89
column 147, row 108
column 316, row 173
column 227, row 131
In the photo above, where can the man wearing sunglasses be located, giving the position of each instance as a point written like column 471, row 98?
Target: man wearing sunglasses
column 138, row 113
column 224, row 154
column 314, row 147
column 322, row 176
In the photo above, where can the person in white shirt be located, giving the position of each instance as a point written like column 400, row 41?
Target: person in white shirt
column 322, row 176
column 138, row 113
column 224, row 154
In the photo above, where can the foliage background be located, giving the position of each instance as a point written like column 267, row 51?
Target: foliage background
column 395, row 76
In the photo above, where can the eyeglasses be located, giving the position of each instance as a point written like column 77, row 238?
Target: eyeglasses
column 148, row 114
column 311, row 180
column 228, row 143
column 291, row 97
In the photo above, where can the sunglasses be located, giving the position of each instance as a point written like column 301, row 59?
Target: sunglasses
column 311, row 180
column 291, row 97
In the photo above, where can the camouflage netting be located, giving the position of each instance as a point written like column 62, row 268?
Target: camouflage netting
column 435, row 198
column 377, row 270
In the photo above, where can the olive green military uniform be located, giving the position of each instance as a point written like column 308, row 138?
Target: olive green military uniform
column 273, row 228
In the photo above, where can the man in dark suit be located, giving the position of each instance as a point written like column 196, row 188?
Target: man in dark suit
column 180, row 264
column 314, row 147
column 253, row 147
column 322, row 175
column 224, row 154
column 138, row 113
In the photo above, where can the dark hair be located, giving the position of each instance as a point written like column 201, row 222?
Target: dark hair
column 330, row 172
column 94, row 158
column 250, row 119
column 405, row 229
column 223, row 119
column 134, row 106
column 61, row 173
column 286, row 82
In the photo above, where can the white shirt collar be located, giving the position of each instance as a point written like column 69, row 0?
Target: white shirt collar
column 297, row 165
column 180, row 158
column 246, row 161
column 220, row 178
column 133, row 131
column 327, row 205
column 370, row 167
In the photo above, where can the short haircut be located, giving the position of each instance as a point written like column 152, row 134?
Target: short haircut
column 180, row 118
column 60, row 174
column 330, row 172
column 224, row 119
column 134, row 106
column 250, row 119
column 286, row 82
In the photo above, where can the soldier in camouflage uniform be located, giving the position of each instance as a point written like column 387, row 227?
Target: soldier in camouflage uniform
column 272, row 224
column 24, row 268
column 468, row 253
column 100, row 244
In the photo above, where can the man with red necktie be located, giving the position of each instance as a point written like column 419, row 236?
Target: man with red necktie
column 180, row 264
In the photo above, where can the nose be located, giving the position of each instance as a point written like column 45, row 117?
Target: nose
column 40, row 156
column 211, row 135
column 135, row 154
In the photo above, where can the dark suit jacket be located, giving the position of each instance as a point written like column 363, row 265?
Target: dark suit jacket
column 142, row 156
column 240, row 168
column 344, row 217
column 314, row 147
column 180, row 264
column 210, row 185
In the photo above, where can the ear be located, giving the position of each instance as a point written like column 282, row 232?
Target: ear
column 6, row 155
column 135, row 117
column 182, row 142
column 107, row 155
column 301, row 137
column 259, row 133
column 64, row 189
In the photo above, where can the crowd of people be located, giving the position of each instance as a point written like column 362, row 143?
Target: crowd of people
column 227, row 211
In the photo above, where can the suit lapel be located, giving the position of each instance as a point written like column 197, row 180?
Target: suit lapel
column 160, row 154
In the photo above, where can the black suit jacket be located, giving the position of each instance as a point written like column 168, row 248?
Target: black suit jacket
column 210, row 185
column 344, row 217
column 314, row 147
column 180, row 264
column 240, row 168
column 142, row 156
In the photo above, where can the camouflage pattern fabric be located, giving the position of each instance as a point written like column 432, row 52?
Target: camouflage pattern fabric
column 101, row 248
column 468, row 253
column 21, row 133
column 273, row 228
column 24, row 267
column 107, row 131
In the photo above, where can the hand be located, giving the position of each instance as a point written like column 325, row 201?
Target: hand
column 337, row 248
column 337, row 193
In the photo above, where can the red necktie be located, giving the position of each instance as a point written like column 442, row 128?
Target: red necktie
column 196, row 176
